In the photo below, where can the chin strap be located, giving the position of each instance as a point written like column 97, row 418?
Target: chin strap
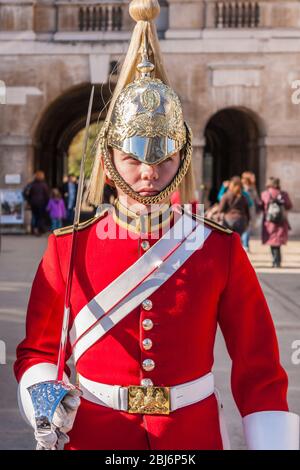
column 165, row 193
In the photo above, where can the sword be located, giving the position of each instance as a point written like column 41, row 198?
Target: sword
column 46, row 396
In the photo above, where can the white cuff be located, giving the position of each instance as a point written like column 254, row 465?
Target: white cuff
column 41, row 372
column 271, row 430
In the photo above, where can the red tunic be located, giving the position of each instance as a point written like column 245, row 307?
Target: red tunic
column 217, row 284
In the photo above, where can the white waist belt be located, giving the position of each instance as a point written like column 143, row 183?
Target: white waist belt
column 116, row 396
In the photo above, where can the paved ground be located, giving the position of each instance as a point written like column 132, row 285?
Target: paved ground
column 18, row 261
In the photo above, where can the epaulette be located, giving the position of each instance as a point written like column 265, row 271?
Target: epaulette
column 87, row 223
column 217, row 226
column 213, row 224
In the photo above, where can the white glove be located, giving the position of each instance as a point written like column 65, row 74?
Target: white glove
column 63, row 420
column 51, row 440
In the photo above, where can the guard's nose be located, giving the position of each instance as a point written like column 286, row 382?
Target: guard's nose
column 149, row 172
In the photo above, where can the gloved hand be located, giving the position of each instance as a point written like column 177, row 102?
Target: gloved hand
column 56, row 437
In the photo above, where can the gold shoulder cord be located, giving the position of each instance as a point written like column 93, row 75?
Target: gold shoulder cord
column 209, row 222
column 65, row 230
column 213, row 224
column 217, row 226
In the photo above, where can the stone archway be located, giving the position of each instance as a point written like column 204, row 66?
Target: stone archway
column 233, row 144
column 61, row 121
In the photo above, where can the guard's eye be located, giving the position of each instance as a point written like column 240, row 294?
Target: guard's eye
column 129, row 158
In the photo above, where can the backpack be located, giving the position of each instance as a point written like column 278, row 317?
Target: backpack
column 275, row 212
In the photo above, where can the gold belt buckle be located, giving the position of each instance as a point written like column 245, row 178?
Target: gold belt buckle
column 149, row 400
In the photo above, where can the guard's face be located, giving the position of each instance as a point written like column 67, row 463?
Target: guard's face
column 147, row 180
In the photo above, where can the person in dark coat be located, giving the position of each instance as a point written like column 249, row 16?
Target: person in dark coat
column 275, row 225
column 234, row 207
column 38, row 197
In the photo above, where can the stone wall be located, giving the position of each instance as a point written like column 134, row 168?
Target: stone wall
column 211, row 69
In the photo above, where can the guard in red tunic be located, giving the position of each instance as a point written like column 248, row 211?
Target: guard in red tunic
column 151, row 282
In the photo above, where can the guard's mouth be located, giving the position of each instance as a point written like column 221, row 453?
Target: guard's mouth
column 147, row 192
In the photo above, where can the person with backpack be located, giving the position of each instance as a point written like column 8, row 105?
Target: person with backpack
column 275, row 225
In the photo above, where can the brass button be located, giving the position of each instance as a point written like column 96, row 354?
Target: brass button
column 147, row 344
column 147, row 304
column 148, row 364
column 146, row 383
column 145, row 245
column 147, row 324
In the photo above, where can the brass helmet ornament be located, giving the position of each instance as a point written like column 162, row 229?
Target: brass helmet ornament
column 145, row 119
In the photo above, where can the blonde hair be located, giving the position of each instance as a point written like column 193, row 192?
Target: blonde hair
column 273, row 182
column 249, row 176
column 187, row 187
column 144, row 13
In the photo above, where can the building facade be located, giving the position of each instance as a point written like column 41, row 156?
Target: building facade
column 234, row 64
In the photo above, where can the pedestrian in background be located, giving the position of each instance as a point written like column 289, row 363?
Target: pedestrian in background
column 275, row 225
column 249, row 186
column 224, row 187
column 234, row 207
column 69, row 191
column 37, row 194
column 25, row 194
column 56, row 209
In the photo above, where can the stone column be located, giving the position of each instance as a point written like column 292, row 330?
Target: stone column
column 45, row 19
column 262, row 170
column 282, row 161
column 186, row 19
column 198, row 147
column 16, row 16
column 16, row 158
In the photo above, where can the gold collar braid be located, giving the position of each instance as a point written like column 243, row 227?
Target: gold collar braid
column 165, row 193
column 144, row 222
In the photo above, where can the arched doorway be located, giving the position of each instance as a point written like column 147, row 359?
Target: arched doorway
column 233, row 144
column 61, row 122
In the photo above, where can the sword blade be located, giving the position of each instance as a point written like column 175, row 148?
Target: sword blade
column 66, row 314
column 83, row 160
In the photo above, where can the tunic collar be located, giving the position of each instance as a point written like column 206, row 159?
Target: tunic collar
column 145, row 222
